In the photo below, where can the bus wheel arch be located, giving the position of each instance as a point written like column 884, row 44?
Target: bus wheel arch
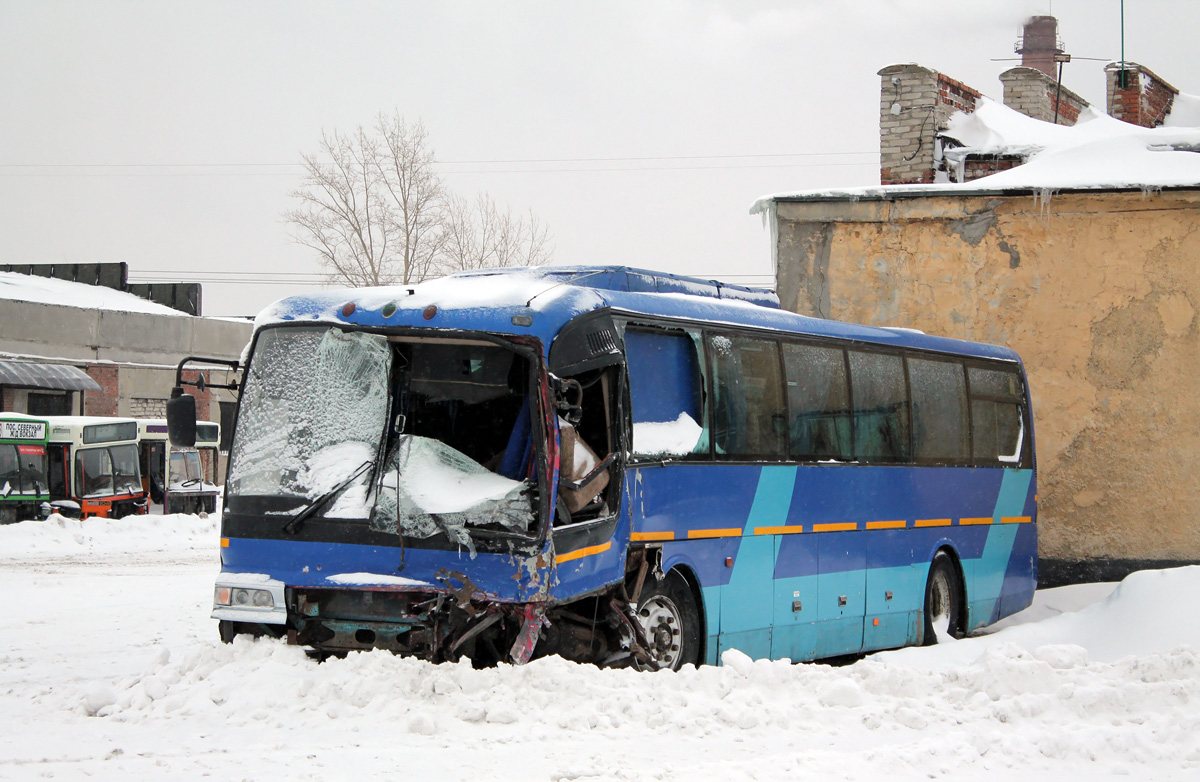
column 670, row 614
column 945, row 604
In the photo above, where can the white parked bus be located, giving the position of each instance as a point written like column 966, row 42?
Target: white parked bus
column 93, row 466
column 179, row 480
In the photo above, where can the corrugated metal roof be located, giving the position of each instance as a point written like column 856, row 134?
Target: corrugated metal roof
column 60, row 377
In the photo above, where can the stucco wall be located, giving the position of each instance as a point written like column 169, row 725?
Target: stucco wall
column 1098, row 293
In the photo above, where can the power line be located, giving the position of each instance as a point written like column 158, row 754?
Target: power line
column 589, row 165
column 445, row 162
column 311, row 279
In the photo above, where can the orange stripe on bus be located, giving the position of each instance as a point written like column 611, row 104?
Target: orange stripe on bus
column 731, row 532
column 932, row 523
column 583, row 552
column 1015, row 520
column 224, row 542
column 638, row 537
column 972, row 521
column 897, row 524
column 841, row 526
column 789, row 530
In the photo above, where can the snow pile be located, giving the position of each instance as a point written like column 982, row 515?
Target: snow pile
column 46, row 290
column 676, row 438
column 120, row 656
column 1140, row 617
column 60, row 536
column 1010, row 708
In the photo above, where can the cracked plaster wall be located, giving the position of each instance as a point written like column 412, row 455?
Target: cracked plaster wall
column 1098, row 293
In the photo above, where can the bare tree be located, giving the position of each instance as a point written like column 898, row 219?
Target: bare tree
column 415, row 195
column 376, row 212
column 340, row 214
column 480, row 236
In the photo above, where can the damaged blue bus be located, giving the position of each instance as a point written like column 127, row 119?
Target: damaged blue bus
column 620, row 467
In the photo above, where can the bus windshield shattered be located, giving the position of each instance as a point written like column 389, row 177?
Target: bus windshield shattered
column 428, row 439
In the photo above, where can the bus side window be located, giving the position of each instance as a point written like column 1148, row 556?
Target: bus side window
column 818, row 403
column 880, row 397
column 666, row 393
column 997, row 420
column 749, row 415
column 939, row 400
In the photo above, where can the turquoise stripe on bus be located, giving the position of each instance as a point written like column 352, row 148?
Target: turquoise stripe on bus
column 990, row 568
column 746, row 603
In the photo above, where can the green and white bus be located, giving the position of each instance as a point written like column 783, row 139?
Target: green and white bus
column 24, row 490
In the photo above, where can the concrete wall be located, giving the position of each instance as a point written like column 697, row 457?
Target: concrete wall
column 1098, row 292
column 56, row 331
column 132, row 356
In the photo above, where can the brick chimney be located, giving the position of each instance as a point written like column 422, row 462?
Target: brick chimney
column 914, row 104
column 1037, row 95
column 1138, row 96
column 1039, row 44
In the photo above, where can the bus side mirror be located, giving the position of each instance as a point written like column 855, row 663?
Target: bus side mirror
column 181, row 419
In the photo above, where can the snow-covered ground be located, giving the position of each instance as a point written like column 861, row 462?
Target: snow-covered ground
column 112, row 669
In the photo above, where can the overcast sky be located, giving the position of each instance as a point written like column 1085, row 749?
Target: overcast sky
column 167, row 135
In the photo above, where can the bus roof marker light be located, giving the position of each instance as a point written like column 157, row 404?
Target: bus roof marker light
column 348, row 309
column 522, row 320
column 429, row 312
column 388, row 310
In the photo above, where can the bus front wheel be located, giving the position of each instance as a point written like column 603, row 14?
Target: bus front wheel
column 943, row 601
column 671, row 622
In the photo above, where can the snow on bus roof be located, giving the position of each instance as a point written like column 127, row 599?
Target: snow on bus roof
column 47, row 290
column 531, row 302
column 1097, row 153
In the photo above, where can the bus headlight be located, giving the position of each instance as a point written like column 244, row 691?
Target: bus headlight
column 243, row 597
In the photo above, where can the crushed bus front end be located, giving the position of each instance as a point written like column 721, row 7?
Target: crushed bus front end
column 394, row 490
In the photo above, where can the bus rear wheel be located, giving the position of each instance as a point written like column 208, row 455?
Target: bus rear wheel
column 943, row 601
column 670, row 620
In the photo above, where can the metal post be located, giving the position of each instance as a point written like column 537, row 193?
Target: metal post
column 1058, row 93
column 1122, row 80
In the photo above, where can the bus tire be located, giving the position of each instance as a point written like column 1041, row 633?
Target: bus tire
column 671, row 622
column 228, row 630
column 943, row 600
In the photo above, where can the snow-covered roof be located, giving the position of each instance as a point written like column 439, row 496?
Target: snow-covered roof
column 1098, row 152
column 1185, row 112
column 47, row 290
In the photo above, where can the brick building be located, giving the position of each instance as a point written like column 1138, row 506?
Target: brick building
column 1074, row 245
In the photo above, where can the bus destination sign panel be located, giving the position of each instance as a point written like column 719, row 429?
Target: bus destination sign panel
column 22, row 430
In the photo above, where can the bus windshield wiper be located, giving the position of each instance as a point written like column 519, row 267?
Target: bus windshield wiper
column 293, row 524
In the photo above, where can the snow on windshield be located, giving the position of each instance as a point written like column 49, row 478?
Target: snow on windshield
column 442, row 490
column 313, row 411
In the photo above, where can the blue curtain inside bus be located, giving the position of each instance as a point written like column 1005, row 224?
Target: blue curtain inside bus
column 664, row 376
